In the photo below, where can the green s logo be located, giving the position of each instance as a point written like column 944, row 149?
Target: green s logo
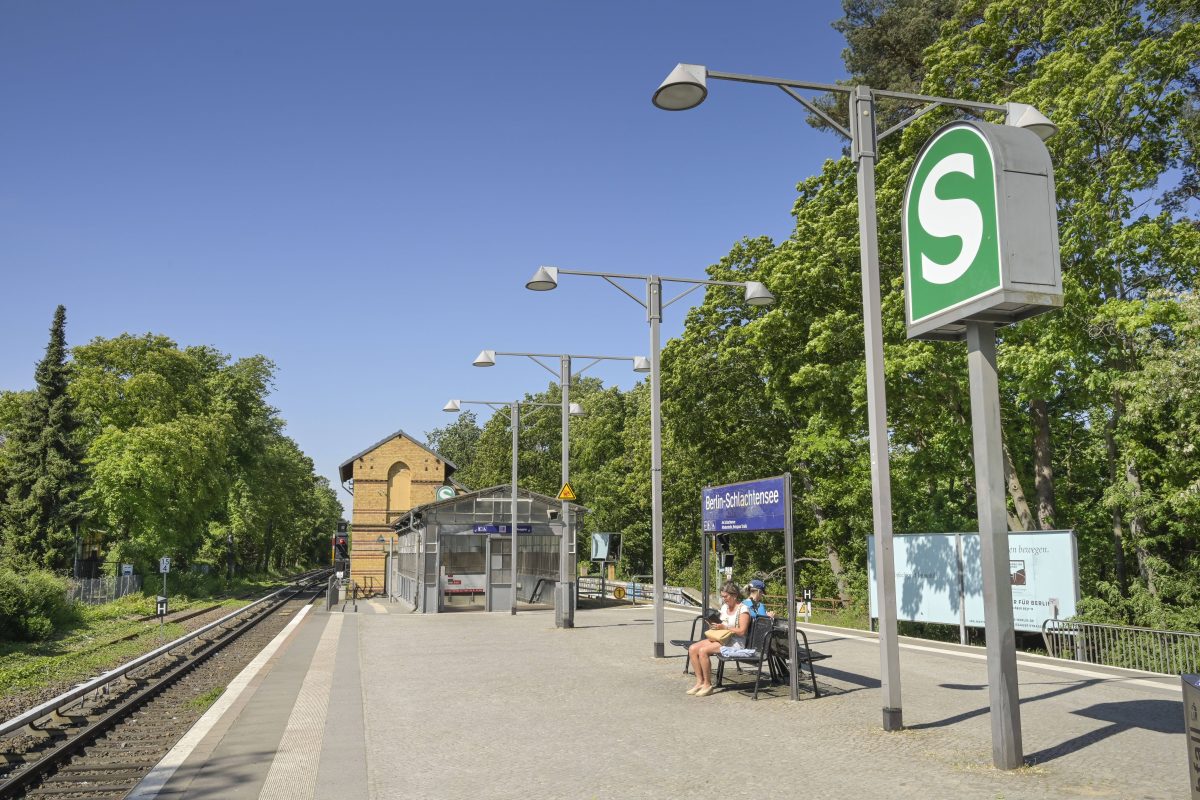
column 952, row 247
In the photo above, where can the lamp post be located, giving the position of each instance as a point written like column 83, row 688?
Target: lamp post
column 564, row 592
column 514, row 413
column 686, row 87
column 545, row 279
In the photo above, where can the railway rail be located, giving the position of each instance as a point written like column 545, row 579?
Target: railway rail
column 101, row 737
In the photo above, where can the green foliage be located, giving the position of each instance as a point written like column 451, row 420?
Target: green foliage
column 32, row 604
column 43, row 477
column 1100, row 407
column 457, row 441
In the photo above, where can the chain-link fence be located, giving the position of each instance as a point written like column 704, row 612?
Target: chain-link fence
column 94, row 591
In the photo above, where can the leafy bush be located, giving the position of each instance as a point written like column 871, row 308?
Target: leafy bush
column 32, row 605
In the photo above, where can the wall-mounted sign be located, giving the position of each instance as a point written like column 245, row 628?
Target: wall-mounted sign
column 445, row 492
column 521, row 528
column 750, row 506
column 980, row 230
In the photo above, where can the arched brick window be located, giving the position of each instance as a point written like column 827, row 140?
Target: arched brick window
column 399, row 492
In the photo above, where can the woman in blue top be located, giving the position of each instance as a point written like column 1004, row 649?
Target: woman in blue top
column 755, row 593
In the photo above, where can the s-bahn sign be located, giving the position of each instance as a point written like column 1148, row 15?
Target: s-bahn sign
column 980, row 230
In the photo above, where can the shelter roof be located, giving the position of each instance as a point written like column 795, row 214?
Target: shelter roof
column 503, row 491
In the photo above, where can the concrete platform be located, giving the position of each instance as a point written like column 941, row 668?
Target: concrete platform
column 385, row 704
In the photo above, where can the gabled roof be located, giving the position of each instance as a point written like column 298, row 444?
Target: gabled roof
column 346, row 470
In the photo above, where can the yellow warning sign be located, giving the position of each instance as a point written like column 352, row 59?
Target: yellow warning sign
column 567, row 493
column 619, row 592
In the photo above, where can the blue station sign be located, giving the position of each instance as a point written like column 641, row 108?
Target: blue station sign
column 505, row 529
column 750, row 506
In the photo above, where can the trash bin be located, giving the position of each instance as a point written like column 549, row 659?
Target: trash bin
column 1191, row 718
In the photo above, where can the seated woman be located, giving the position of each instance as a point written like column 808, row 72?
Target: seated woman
column 755, row 594
column 732, row 619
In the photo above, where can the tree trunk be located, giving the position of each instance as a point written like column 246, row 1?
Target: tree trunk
column 831, row 553
column 1118, row 520
column 1020, row 504
column 1137, row 530
column 1043, row 471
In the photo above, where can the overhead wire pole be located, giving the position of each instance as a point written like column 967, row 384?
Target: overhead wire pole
column 545, row 279
column 686, row 87
column 564, row 591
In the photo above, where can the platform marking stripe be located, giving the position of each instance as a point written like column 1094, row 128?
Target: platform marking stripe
column 293, row 773
column 149, row 787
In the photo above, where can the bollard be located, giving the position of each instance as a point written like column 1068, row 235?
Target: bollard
column 1191, row 718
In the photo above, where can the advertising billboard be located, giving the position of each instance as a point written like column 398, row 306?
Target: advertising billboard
column 939, row 577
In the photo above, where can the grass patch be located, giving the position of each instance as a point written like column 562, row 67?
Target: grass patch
column 94, row 641
column 205, row 700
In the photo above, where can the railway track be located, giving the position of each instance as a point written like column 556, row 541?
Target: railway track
column 100, row 738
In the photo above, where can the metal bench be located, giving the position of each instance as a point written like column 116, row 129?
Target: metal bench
column 697, row 635
column 778, row 649
column 758, row 640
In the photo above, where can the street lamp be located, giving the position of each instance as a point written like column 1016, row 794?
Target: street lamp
column 564, row 593
column 514, row 413
column 686, row 87
column 545, row 279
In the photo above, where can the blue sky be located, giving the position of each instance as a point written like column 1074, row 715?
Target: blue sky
column 359, row 190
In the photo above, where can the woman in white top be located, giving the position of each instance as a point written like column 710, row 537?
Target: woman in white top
column 733, row 619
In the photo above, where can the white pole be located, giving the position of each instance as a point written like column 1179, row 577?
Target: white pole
column 862, row 148
column 993, row 546
column 515, row 418
column 654, row 313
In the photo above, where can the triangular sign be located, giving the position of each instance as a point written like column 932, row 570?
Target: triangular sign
column 567, row 493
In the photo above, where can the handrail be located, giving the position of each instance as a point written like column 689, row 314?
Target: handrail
column 1146, row 649
column 50, row 706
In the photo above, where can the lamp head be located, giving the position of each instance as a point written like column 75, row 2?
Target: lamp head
column 452, row 406
column 486, row 358
column 684, row 88
column 1023, row 115
column 545, row 279
column 575, row 410
column 641, row 364
column 758, row 295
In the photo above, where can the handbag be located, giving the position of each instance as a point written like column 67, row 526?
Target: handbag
column 722, row 636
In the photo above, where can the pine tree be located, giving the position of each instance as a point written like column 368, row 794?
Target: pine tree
column 45, row 476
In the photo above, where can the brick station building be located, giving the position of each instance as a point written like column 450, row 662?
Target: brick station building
column 387, row 479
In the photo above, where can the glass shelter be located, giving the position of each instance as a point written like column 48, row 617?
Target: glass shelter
column 456, row 554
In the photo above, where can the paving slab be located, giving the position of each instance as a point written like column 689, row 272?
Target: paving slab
column 479, row 705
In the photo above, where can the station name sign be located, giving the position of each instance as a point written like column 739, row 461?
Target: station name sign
column 502, row 528
column 750, row 506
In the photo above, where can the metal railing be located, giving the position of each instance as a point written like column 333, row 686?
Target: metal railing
column 634, row 590
column 1147, row 649
column 94, row 591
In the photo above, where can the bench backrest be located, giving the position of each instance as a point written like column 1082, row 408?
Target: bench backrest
column 760, row 633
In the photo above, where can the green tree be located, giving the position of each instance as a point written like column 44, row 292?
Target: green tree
column 45, row 477
column 456, row 441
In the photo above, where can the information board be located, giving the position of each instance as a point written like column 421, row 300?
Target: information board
column 750, row 506
column 933, row 582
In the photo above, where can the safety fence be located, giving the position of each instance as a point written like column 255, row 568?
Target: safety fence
column 633, row 591
column 1147, row 649
column 94, row 591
